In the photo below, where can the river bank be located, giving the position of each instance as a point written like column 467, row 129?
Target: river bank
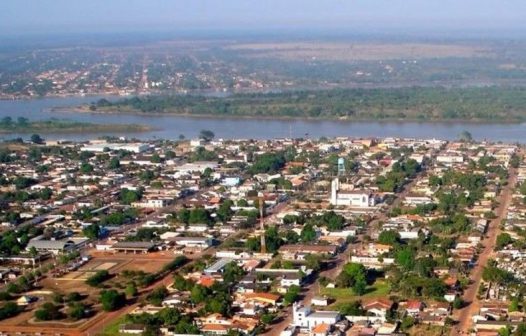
column 71, row 127
column 86, row 110
column 172, row 127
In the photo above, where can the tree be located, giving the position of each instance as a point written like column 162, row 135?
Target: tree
column 199, row 216
column 292, row 294
column 267, row 318
column 389, row 237
column 313, row 261
column 253, row 244
column 224, row 212
column 272, row 239
column 352, row 308
column 9, row 309
column 37, row 139
column 86, row 168
column 157, row 296
column 503, row 239
column 198, row 294
column 45, row 194
column 268, row 163
column 114, row 163
column 6, row 122
column 465, row 136
column 112, row 300
column 156, row 158
column 33, row 252
column 131, row 290
column 308, row 234
column 48, row 311
column 405, row 258
column 407, row 322
column 353, row 275
column 514, row 305
column 232, row 273
column 92, row 231
column 182, row 284
column 78, row 311
column 127, row 196
column 206, row 135
column 98, row 278
column 183, row 215
column 458, row 302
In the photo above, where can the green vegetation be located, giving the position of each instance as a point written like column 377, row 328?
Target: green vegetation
column 23, row 125
column 48, row 312
column 112, row 300
column 397, row 177
column 98, row 278
column 346, row 295
column 9, row 309
column 412, row 103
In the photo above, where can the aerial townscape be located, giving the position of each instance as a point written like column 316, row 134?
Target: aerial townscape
column 330, row 236
column 273, row 168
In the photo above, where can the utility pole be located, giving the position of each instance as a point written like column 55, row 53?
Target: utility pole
column 262, row 223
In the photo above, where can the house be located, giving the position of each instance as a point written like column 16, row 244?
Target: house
column 413, row 307
column 450, row 296
column 173, row 301
column 378, row 308
column 417, row 200
column 293, row 279
column 321, row 301
column 300, row 251
column 197, row 242
column 215, row 329
column 218, row 266
column 322, row 329
column 376, row 249
column 261, row 297
column 136, row 329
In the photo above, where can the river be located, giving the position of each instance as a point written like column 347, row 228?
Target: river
column 171, row 127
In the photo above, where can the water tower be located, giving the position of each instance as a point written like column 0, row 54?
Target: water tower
column 341, row 166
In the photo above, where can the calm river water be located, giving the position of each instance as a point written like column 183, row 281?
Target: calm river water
column 170, row 127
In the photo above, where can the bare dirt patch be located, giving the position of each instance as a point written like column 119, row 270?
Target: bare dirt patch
column 340, row 51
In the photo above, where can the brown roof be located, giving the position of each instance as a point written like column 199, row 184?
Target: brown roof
column 309, row 248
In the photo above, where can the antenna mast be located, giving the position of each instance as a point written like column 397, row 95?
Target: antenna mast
column 262, row 223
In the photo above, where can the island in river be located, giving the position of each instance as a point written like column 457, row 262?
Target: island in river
column 475, row 104
column 23, row 125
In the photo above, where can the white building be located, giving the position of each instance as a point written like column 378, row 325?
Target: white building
column 354, row 198
column 101, row 147
column 305, row 318
column 449, row 158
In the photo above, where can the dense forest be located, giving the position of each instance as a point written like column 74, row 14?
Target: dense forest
column 412, row 103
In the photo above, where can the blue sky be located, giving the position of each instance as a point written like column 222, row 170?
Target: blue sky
column 171, row 15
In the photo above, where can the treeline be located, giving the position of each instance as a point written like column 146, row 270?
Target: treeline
column 23, row 123
column 411, row 103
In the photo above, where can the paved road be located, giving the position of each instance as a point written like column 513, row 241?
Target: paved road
column 464, row 316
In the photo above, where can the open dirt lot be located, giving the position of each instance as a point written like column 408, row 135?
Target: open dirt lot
column 340, row 51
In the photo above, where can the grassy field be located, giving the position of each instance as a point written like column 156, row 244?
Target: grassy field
column 428, row 330
column 113, row 328
column 345, row 295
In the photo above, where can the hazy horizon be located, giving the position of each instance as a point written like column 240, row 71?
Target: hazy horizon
column 446, row 18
